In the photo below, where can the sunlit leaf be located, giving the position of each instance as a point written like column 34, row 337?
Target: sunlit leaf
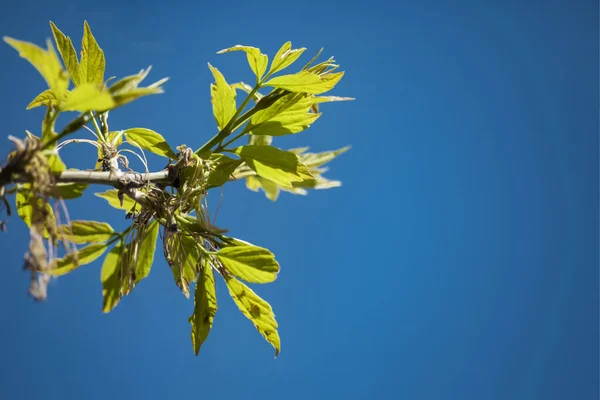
column 318, row 159
column 257, row 60
column 289, row 114
column 67, row 52
column 27, row 204
column 149, row 140
column 318, row 182
column 223, row 98
column 285, row 57
column 270, row 188
column 110, row 276
column 281, row 167
column 185, row 262
column 81, row 231
column 134, row 94
column 305, row 82
column 205, row 307
column 91, row 67
column 86, row 97
column 251, row 263
column 256, row 310
column 146, row 253
column 112, row 196
column 46, row 98
column 72, row 261
column 46, row 62
column 221, row 169
column 260, row 140
column 55, row 164
column 69, row 190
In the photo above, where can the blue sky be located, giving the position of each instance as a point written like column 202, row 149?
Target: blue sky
column 458, row 261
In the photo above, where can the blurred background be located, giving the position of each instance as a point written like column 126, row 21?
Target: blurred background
column 459, row 260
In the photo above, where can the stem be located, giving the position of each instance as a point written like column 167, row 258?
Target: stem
column 108, row 178
column 226, row 131
column 98, row 131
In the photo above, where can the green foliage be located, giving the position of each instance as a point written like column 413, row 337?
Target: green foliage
column 149, row 140
column 167, row 208
column 205, row 307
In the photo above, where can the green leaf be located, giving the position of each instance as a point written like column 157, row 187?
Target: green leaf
column 112, row 196
column 270, row 188
column 73, row 261
column 281, row 167
column 260, row 140
column 257, row 60
column 67, row 52
column 46, row 98
column 145, row 256
column 305, row 82
column 221, row 169
column 256, row 310
column 126, row 89
column 91, row 67
column 318, row 182
column 223, row 99
column 80, row 231
column 285, row 57
column 186, row 258
column 289, row 114
column 110, row 276
column 205, row 307
column 253, row 183
column 69, row 191
column 251, row 263
column 87, row 97
column 149, row 140
column 55, row 164
column 26, row 204
column 46, row 63
column 317, row 159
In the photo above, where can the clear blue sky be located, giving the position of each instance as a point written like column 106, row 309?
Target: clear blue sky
column 458, row 261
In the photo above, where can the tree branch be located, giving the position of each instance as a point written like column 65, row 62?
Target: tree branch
column 130, row 179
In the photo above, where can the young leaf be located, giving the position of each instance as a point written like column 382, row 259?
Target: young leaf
column 27, row 204
column 86, row 97
column 110, row 276
column 287, row 115
column 46, row 98
column 46, row 62
column 126, row 89
column 205, row 307
column 70, row 191
column 317, row 159
column 256, row 310
column 146, row 253
column 221, row 169
column 184, row 260
column 305, row 82
column 67, row 52
column 223, row 99
column 91, row 67
column 251, row 263
column 55, row 164
column 257, row 60
column 73, row 261
column 281, row 167
column 112, row 196
column 285, row 57
column 270, row 188
column 149, row 140
column 88, row 231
